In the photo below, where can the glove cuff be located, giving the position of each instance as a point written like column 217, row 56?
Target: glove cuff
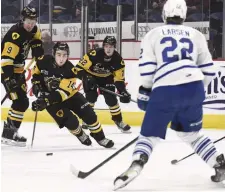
column 120, row 86
column 141, row 88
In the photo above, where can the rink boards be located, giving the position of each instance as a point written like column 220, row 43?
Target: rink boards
column 214, row 105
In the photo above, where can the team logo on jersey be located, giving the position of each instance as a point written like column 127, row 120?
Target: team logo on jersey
column 15, row 36
column 100, row 69
column 60, row 113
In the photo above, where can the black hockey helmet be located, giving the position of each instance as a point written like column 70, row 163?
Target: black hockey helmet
column 29, row 12
column 61, row 46
column 111, row 40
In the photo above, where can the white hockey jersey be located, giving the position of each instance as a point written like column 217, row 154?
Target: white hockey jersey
column 173, row 55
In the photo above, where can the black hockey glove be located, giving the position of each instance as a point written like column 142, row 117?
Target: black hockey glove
column 11, row 85
column 37, row 48
column 52, row 83
column 40, row 104
column 125, row 97
column 91, row 82
column 37, row 88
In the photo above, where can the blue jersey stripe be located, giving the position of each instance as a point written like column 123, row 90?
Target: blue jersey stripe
column 171, row 71
column 209, row 74
column 150, row 73
column 147, row 63
column 205, row 65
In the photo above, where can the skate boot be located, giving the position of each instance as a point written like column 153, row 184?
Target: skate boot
column 84, row 125
column 84, row 139
column 102, row 140
column 219, row 169
column 10, row 136
column 81, row 136
column 133, row 171
column 125, row 128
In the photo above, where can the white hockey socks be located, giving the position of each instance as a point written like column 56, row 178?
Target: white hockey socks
column 202, row 145
column 144, row 145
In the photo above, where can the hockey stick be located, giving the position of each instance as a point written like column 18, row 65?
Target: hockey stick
column 34, row 128
column 113, row 93
column 19, row 82
column 35, row 122
column 174, row 162
column 83, row 175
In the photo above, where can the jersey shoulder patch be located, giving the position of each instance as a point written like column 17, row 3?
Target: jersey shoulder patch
column 37, row 33
column 117, row 58
column 15, row 35
column 96, row 52
column 45, row 61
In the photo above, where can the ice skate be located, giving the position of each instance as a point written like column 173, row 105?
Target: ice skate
column 123, row 127
column 82, row 137
column 104, row 142
column 10, row 136
column 219, row 169
column 133, row 171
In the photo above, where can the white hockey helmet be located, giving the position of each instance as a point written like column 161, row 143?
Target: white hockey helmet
column 174, row 8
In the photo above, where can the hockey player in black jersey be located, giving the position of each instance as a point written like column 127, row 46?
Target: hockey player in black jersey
column 105, row 67
column 14, row 51
column 54, row 79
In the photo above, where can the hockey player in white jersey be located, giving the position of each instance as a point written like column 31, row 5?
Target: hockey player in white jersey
column 175, row 66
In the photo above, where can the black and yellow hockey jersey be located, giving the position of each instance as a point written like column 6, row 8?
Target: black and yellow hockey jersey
column 97, row 64
column 15, row 48
column 46, row 70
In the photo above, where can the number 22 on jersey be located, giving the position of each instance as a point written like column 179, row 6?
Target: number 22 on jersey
column 172, row 53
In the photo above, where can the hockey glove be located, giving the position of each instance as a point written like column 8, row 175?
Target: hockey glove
column 125, row 97
column 52, row 83
column 143, row 97
column 11, row 85
column 40, row 104
column 91, row 82
column 37, row 88
column 37, row 48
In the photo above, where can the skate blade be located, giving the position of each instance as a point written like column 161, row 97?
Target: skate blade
column 126, row 132
column 122, row 185
column 12, row 143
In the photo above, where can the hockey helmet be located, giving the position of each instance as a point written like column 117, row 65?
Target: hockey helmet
column 61, row 46
column 111, row 40
column 29, row 12
column 174, row 8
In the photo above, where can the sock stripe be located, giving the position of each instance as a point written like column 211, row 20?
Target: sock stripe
column 204, row 148
column 211, row 155
column 208, row 152
column 140, row 151
column 143, row 149
column 145, row 144
column 201, row 145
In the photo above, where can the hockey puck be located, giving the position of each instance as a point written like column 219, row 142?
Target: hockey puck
column 49, row 154
column 173, row 162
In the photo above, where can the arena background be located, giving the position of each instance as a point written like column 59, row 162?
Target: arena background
column 63, row 21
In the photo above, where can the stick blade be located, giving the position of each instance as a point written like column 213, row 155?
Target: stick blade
column 78, row 173
column 74, row 170
column 174, row 162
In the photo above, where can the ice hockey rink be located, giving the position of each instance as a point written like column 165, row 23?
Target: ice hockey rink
column 30, row 170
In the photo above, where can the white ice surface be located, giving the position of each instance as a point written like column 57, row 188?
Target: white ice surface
column 30, row 170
